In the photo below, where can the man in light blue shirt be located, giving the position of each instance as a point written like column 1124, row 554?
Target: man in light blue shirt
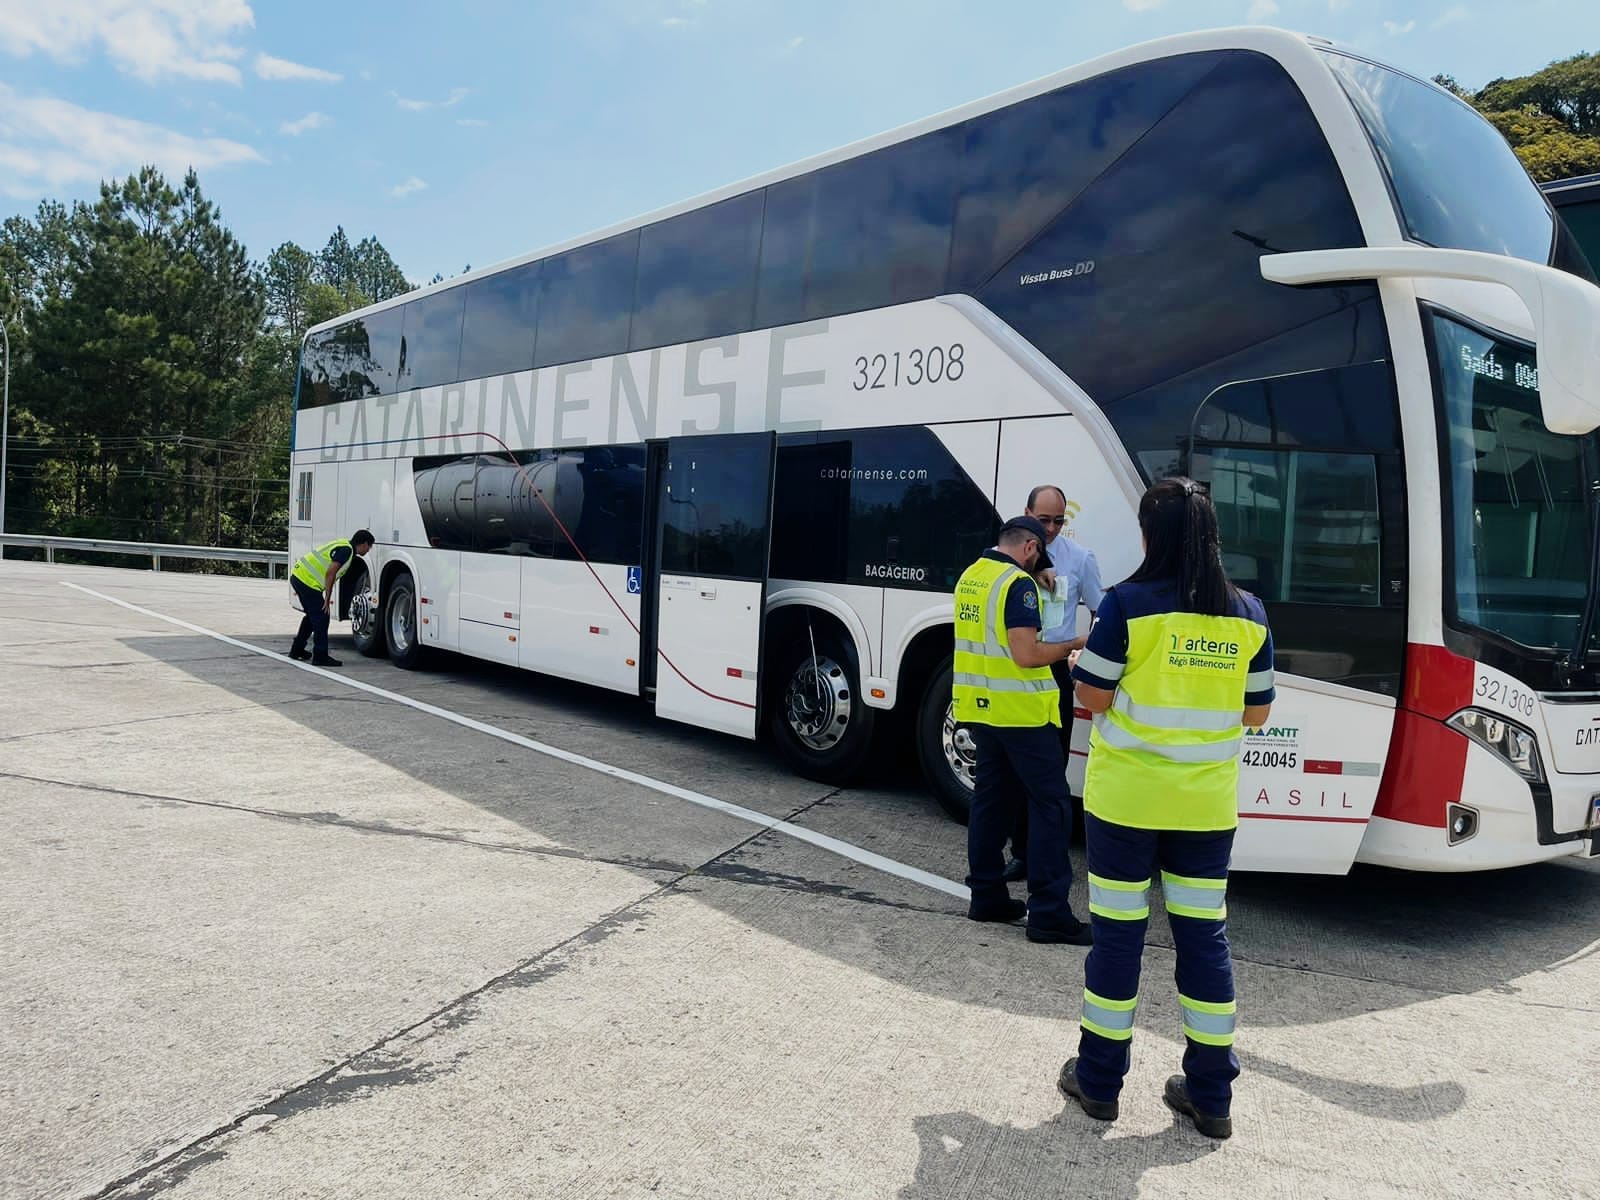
column 1074, row 574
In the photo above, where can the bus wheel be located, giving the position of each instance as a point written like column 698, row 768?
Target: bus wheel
column 366, row 624
column 944, row 746
column 400, row 629
column 816, row 715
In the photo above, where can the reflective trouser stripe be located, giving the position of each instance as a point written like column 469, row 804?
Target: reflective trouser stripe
column 1109, row 1018
column 1188, row 896
column 988, row 683
column 1119, row 899
column 1209, row 1022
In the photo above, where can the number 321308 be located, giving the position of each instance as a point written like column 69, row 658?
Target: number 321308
column 1511, row 696
column 937, row 364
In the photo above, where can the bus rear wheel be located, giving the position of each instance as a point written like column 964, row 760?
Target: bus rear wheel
column 366, row 623
column 401, row 631
column 944, row 746
column 816, row 714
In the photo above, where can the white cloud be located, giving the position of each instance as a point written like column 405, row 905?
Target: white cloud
column 49, row 145
column 1451, row 16
column 412, row 184
column 1142, row 5
column 148, row 39
column 456, row 96
column 1338, row 5
column 675, row 22
column 471, row 122
column 312, row 120
column 1395, row 28
column 1260, row 10
column 793, row 44
column 268, row 67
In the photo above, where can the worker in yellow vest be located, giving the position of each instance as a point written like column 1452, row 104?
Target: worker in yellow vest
column 1004, row 693
column 312, row 579
column 1178, row 662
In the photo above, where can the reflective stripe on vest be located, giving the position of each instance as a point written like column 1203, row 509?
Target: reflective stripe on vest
column 1109, row 1018
column 1119, row 899
column 312, row 569
column 1187, row 896
column 987, row 685
column 1165, row 755
column 1209, row 1022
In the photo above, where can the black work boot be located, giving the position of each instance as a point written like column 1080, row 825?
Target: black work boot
column 1076, row 934
column 299, row 654
column 1177, row 1097
column 1006, row 910
column 1100, row 1110
column 326, row 660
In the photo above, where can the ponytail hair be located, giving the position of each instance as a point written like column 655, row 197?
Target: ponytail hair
column 1183, row 546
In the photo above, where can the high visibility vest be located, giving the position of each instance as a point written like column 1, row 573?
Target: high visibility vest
column 1165, row 755
column 312, row 569
column 989, row 687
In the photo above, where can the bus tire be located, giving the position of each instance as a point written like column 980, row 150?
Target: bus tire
column 366, row 622
column 401, row 632
column 815, row 711
column 944, row 747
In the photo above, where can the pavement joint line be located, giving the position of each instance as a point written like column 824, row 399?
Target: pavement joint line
column 822, row 841
column 352, row 824
column 266, row 1106
column 204, row 712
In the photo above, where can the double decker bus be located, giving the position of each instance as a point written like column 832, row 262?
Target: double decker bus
column 731, row 457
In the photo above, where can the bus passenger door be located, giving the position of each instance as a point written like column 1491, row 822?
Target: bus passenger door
column 712, row 502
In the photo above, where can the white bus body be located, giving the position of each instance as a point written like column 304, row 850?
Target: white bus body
column 731, row 456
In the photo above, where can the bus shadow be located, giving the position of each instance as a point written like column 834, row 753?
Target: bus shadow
column 1370, row 941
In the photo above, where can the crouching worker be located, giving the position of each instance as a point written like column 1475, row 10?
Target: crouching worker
column 313, row 578
column 1177, row 663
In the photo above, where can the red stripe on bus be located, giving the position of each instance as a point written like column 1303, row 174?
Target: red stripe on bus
column 1258, row 816
column 1324, row 766
column 1437, row 682
column 1423, row 773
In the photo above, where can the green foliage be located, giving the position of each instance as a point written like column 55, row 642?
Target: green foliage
column 1551, row 118
column 154, row 364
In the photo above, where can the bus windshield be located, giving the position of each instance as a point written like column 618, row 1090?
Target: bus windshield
column 1455, row 180
column 1515, row 493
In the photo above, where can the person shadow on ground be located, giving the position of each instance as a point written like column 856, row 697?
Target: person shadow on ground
column 963, row 1157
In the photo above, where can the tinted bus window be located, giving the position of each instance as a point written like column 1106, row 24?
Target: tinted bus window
column 1154, row 271
column 316, row 381
column 430, row 342
column 714, row 495
column 603, row 498
column 498, row 324
column 585, row 300
column 444, row 488
column 785, row 240
column 1024, row 164
column 697, row 274
column 362, row 356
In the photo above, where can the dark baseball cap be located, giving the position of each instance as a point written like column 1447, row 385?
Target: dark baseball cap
column 1028, row 525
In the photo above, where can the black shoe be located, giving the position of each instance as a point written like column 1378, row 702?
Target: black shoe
column 300, row 655
column 1011, row 910
column 1100, row 1110
column 1177, row 1097
column 1016, row 871
column 1078, row 934
column 326, row 660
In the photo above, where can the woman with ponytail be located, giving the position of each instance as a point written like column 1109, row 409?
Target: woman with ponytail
column 1178, row 663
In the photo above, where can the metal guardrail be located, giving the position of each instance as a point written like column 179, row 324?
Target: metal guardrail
column 155, row 551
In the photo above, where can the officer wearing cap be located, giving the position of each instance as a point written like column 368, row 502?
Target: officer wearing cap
column 1005, row 693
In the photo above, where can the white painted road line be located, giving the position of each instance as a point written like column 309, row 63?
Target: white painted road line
column 821, row 840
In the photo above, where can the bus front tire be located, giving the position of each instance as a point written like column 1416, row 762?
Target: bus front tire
column 401, row 631
column 366, row 624
column 816, row 714
column 944, row 747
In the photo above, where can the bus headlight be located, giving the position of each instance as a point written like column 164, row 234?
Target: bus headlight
column 1506, row 739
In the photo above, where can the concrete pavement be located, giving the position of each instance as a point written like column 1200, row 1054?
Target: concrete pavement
column 265, row 936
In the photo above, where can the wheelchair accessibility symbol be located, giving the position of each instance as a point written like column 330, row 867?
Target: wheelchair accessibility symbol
column 635, row 581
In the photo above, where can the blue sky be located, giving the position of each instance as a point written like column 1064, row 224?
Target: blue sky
column 478, row 130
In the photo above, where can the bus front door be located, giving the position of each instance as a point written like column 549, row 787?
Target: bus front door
column 712, row 523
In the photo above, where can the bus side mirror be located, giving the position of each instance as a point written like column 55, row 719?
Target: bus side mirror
column 1564, row 310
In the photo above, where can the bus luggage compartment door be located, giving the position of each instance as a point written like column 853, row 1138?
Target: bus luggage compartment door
column 713, row 517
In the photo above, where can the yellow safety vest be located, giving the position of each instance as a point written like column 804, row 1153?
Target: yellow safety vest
column 313, row 568
column 1165, row 755
column 989, row 687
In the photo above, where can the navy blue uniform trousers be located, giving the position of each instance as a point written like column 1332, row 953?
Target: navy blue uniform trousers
column 1016, row 767
column 315, row 623
column 1120, row 854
